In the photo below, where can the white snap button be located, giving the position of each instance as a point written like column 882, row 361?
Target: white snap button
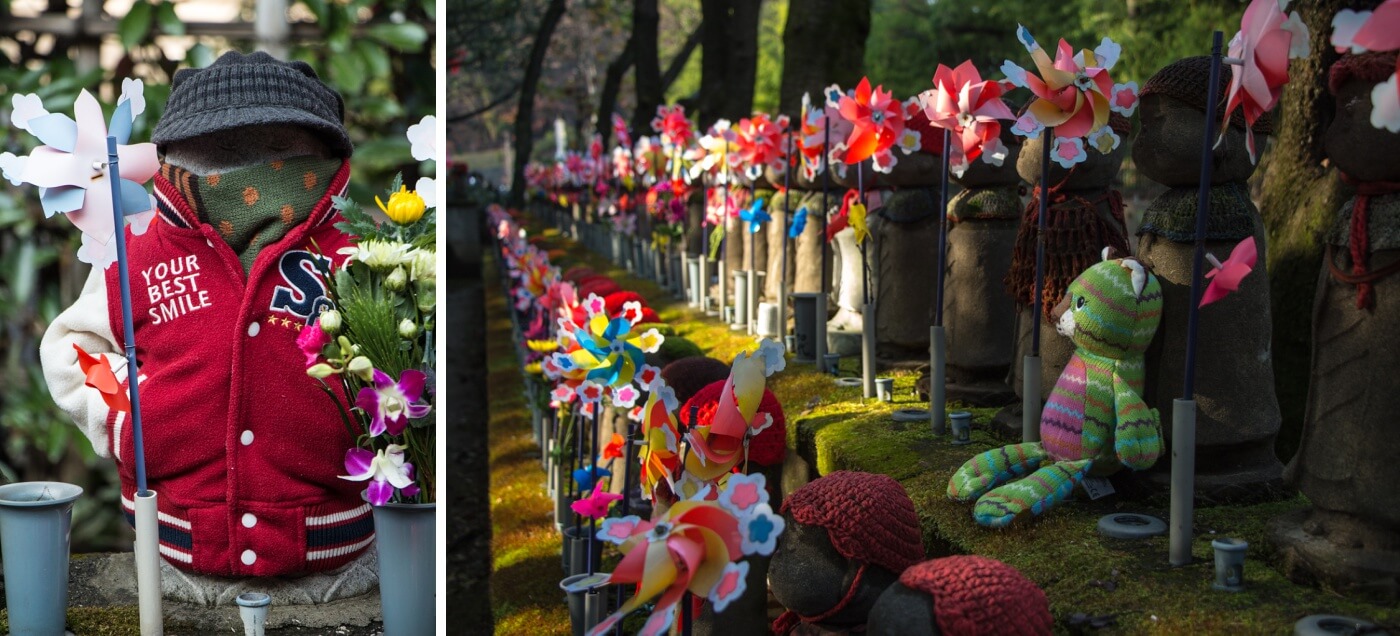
column 254, row 328
column 249, row 520
column 246, row 438
column 249, row 557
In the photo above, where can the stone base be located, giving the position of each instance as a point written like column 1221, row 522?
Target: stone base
column 843, row 343
column 1340, row 552
column 109, row 580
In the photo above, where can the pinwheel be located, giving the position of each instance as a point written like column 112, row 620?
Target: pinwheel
column 799, row 223
column 1267, row 39
column 969, row 108
column 70, row 169
column 755, row 216
column 877, row 120
column 619, row 125
column 675, row 130
column 812, row 140
column 1074, row 93
column 99, row 375
column 717, row 447
column 1379, row 30
column 596, row 504
column 716, row 152
column 613, row 449
column 608, row 348
column 761, row 143
column 1225, row 277
column 660, row 455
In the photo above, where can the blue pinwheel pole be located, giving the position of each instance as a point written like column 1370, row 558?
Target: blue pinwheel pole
column 938, row 352
column 783, row 244
column 1184, row 408
column 867, row 349
column 147, row 549
column 1030, row 372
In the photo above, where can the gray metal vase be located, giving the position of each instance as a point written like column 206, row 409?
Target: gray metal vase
column 35, row 518
column 406, row 538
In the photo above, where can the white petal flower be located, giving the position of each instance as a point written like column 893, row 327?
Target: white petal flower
column 11, row 167
column 426, row 188
column 1344, row 27
column 423, row 136
column 1300, row 45
column 1108, row 53
column 1385, row 106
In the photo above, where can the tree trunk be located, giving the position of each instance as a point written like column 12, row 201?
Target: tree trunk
column 1300, row 197
column 525, row 113
column 612, row 84
column 673, row 70
column 823, row 43
column 729, row 63
column 646, row 21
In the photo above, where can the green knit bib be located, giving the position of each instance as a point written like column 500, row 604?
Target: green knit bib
column 256, row 206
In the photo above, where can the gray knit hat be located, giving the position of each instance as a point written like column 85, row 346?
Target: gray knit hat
column 243, row 90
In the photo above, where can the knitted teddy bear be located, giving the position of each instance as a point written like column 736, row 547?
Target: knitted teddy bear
column 1095, row 419
column 242, row 446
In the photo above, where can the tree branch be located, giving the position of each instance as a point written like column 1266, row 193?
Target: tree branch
column 673, row 70
column 505, row 97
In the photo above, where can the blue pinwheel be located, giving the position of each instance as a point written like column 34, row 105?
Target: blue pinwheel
column 611, row 351
column 799, row 223
column 755, row 216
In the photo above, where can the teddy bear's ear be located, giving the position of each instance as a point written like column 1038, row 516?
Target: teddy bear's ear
column 1139, row 274
column 1109, row 253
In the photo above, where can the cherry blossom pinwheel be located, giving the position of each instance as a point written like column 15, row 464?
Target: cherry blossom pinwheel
column 386, row 471
column 969, row 107
column 71, row 172
column 717, row 447
column 391, row 404
column 1074, row 93
column 877, row 121
column 761, row 143
column 1225, row 277
column 608, row 348
column 1379, row 30
column 1267, row 39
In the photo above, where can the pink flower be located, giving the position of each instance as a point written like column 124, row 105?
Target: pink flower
column 311, row 340
column 390, row 404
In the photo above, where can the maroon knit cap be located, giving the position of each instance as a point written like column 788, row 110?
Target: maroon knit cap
column 1187, row 80
column 868, row 517
column 1371, row 68
column 768, row 448
column 976, row 596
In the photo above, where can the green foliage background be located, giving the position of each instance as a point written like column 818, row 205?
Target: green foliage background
column 377, row 53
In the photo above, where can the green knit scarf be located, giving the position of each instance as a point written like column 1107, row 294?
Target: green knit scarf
column 256, row 206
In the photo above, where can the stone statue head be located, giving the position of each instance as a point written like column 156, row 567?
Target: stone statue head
column 1172, row 110
column 1094, row 173
column 1353, row 144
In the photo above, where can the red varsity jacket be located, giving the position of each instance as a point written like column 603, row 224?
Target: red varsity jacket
column 242, row 446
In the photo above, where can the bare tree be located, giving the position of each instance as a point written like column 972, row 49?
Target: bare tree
column 525, row 113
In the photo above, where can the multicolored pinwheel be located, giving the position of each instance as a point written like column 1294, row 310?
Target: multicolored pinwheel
column 716, row 153
column 716, row 448
column 1267, row 39
column 877, row 122
column 1379, row 31
column 660, row 455
column 70, row 169
column 671, row 123
column 1074, row 94
column 968, row 107
column 608, row 349
column 696, row 546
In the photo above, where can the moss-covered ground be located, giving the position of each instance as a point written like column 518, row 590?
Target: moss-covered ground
column 834, row 428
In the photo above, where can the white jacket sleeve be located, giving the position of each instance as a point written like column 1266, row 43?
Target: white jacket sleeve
column 87, row 325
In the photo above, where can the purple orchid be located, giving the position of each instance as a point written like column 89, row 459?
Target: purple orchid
column 386, row 470
column 390, row 404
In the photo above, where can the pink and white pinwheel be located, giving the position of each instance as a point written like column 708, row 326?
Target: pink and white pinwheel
column 675, row 129
column 877, row 120
column 1379, row 31
column 71, row 172
column 715, row 153
column 385, row 470
column 969, row 107
column 1267, row 39
column 1074, row 93
column 1226, row 277
column 761, row 143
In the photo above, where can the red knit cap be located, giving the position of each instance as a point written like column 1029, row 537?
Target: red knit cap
column 974, row 595
column 868, row 517
column 577, row 272
column 768, row 447
column 1371, row 68
column 601, row 285
column 617, row 299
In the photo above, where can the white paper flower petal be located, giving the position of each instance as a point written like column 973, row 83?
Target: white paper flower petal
column 50, row 168
column 1385, row 106
column 994, row 152
column 96, row 253
column 1300, row 45
column 732, row 583
column 26, row 108
column 426, row 187
column 1344, row 27
column 12, row 167
column 423, row 137
column 1108, row 53
column 135, row 92
column 141, row 221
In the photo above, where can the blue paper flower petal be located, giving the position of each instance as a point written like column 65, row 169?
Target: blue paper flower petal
column 62, row 199
column 120, row 126
column 56, row 130
column 135, row 200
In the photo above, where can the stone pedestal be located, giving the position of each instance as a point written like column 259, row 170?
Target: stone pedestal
column 903, row 255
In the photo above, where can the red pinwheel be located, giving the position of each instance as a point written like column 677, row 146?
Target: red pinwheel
column 675, row 129
column 1267, row 39
column 1226, row 276
column 876, row 122
column 968, row 107
column 761, row 142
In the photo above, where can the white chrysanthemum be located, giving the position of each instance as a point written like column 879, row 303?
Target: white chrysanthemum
column 380, row 255
column 423, row 266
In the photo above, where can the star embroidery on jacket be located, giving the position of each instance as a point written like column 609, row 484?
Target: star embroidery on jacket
column 286, row 323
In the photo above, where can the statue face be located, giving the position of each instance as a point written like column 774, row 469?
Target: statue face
column 244, row 146
column 1094, row 173
column 1356, row 147
column 1168, row 148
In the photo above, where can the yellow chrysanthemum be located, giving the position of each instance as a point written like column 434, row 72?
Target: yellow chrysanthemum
column 405, row 206
column 542, row 346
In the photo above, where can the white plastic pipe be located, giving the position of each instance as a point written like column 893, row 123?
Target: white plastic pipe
column 1183, row 480
column 148, row 565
